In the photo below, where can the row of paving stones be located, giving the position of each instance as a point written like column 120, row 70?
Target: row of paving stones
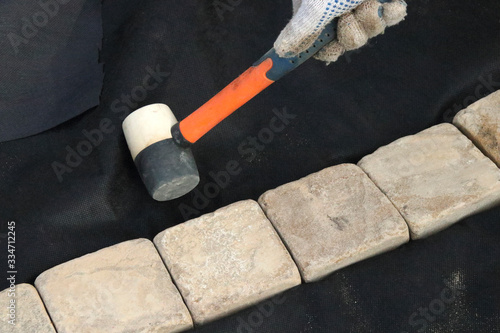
column 208, row 267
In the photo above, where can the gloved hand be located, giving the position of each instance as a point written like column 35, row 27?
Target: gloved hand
column 359, row 20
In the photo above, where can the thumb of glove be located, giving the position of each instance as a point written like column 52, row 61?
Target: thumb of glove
column 309, row 19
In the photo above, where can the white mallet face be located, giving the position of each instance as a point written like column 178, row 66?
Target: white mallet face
column 168, row 170
column 146, row 126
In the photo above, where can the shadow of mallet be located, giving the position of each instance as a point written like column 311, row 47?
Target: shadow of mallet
column 160, row 145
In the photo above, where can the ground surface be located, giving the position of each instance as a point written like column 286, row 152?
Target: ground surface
column 418, row 74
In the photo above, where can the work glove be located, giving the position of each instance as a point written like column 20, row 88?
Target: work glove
column 358, row 21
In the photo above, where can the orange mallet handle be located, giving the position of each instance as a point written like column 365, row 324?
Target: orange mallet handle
column 228, row 100
column 267, row 70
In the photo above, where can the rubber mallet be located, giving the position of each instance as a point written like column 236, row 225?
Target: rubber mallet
column 160, row 145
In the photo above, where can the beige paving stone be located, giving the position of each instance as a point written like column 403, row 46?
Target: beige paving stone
column 333, row 218
column 434, row 178
column 481, row 123
column 22, row 311
column 226, row 260
column 122, row 288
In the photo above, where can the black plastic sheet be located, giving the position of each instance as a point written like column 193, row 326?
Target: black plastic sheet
column 74, row 189
column 49, row 66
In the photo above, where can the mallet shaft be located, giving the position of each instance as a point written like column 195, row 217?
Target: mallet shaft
column 263, row 73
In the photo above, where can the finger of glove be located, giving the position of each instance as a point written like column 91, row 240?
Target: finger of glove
column 394, row 12
column 370, row 16
column 307, row 24
column 350, row 32
column 330, row 52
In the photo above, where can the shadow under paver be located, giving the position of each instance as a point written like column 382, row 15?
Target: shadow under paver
column 333, row 218
column 481, row 123
column 226, row 260
column 24, row 309
column 122, row 288
column 434, row 178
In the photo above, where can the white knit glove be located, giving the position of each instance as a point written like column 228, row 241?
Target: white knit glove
column 359, row 20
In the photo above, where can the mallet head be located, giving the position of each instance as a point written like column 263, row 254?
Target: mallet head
column 168, row 170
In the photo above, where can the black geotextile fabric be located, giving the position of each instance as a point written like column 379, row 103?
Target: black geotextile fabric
column 444, row 56
column 49, row 69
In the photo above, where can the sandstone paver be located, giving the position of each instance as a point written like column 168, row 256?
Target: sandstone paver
column 434, row 178
column 481, row 123
column 122, row 288
column 23, row 311
column 227, row 260
column 333, row 218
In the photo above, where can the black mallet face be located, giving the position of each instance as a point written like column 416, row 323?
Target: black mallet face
column 168, row 170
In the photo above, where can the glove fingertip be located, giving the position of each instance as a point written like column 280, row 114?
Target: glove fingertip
column 394, row 12
column 370, row 16
column 350, row 32
column 330, row 52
